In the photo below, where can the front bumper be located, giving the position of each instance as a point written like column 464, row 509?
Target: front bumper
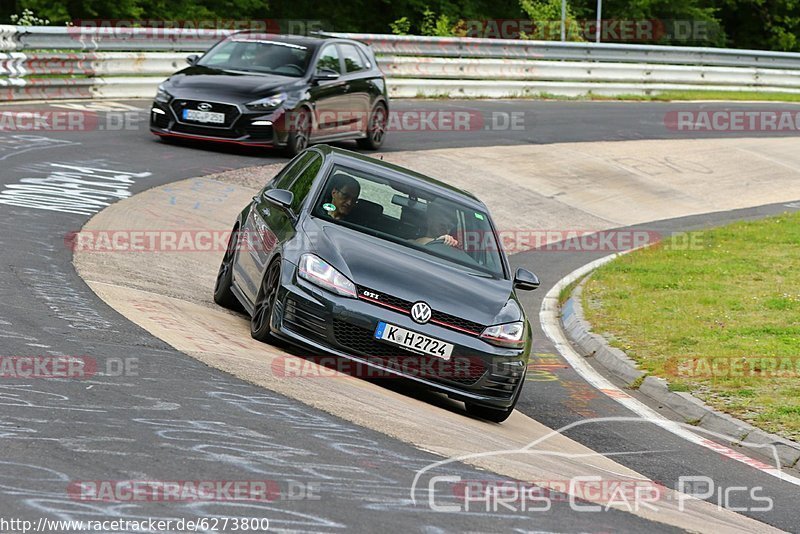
column 477, row 372
column 242, row 126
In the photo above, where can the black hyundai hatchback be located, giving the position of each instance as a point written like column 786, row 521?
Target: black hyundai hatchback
column 374, row 263
column 276, row 90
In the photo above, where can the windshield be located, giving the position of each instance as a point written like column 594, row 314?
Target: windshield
column 411, row 216
column 258, row 55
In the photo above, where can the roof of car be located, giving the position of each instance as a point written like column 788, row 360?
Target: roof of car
column 410, row 176
column 302, row 40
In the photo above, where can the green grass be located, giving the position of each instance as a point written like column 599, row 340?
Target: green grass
column 566, row 291
column 700, row 94
column 663, row 96
column 733, row 300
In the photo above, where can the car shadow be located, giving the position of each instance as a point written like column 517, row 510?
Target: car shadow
column 399, row 385
column 240, row 150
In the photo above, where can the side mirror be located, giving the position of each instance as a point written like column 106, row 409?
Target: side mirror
column 325, row 74
column 193, row 59
column 280, row 197
column 525, row 280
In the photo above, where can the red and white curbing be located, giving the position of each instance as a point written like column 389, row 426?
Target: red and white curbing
column 551, row 324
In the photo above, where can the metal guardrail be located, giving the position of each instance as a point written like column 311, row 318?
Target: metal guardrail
column 405, row 45
column 113, row 39
column 53, row 62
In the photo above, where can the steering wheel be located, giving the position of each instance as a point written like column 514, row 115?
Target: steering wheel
column 298, row 68
column 440, row 241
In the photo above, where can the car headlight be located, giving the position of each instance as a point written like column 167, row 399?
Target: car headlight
column 268, row 103
column 320, row 273
column 505, row 335
column 162, row 95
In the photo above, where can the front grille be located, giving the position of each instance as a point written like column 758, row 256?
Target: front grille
column 231, row 112
column 453, row 322
column 458, row 369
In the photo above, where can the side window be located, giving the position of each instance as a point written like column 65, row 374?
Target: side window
column 365, row 57
column 353, row 62
column 329, row 59
column 303, row 184
column 290, row 172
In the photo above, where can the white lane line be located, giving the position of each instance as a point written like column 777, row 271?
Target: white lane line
column 549, row 317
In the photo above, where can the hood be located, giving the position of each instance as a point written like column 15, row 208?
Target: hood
column 200, row 82
column 412, row 275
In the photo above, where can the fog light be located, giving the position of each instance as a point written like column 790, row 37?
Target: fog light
column 159, row 111
column 262, row 123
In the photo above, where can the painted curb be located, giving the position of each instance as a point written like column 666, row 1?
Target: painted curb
column 691, row 409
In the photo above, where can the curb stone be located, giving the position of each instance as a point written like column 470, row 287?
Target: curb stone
column 692, row 410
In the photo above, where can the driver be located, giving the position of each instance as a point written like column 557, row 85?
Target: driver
column 274, row 57
column 344, row 196
column 441, row 221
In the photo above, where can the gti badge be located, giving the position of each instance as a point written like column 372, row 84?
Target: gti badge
column 205, row 106
column 420, row 312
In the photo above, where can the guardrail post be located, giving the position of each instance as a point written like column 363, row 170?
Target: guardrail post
column 8, row 40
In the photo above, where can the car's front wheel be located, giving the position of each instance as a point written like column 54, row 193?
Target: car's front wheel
column 222, row 288
column 260, row 322
column 493, row 414
column 299, row 132
column 376, row 129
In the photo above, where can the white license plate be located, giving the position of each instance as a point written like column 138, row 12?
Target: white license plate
column 412, row 340
column 203, row 116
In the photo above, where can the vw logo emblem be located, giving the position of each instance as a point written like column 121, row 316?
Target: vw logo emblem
column 421, row 312
column 205, row 106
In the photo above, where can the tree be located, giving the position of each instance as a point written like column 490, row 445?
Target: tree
column 761, row 24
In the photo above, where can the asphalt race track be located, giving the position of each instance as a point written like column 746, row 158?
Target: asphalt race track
column 172, row 418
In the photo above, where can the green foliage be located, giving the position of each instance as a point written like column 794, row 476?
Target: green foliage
column 62, row 11
column 436, row 26
column 546, row 14
column 401, row 26
column 758, row 24
column 773, row 25
column 28, row 18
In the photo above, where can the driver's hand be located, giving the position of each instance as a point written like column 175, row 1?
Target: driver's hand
column 449, row 240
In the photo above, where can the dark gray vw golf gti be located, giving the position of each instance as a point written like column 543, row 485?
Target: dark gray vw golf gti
column 276, row 90
column 382, row 267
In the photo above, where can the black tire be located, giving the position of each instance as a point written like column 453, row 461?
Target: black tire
column 493, row 414
column 299, row 133
column 222, row 288
column 376, row 128
column 260, row 322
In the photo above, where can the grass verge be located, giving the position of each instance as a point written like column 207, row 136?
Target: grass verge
column 664, row 96
column 720, row 319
